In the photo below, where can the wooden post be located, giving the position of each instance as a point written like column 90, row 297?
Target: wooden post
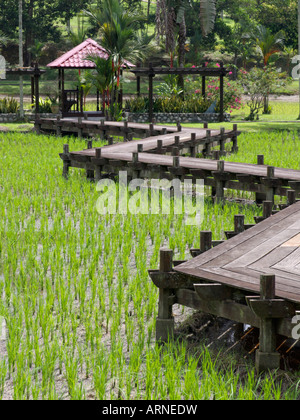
column 270, row 190
column 66, row 161
column 260, row 197
column 175, row 151
column 266, row 356
column 135, row 157
column 79, row 128
column 235, row 140
column 239, row 223
column 205, row 240
column 222, row 141
column 125, row 138
column 260, row 159
column 219, row 191
column 98, row 168
column 151, row 75
column 216, row 155
column 193, row 145
column 207, row 148
column 58, row 127
column 291, row 197
column 267, row 209
column 165, row 320
column 176, row 162
column 159, row 146
column 176, row 141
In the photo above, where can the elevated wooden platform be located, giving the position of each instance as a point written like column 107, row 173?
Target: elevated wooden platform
column 252, row 278
column 270, row 247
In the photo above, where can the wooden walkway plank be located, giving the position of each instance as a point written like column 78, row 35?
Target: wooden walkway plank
column 240, row 261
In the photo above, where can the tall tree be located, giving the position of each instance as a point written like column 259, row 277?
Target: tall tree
column 40, row 19
column 171, row 24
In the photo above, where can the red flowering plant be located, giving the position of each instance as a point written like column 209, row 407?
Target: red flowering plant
column 232, row 92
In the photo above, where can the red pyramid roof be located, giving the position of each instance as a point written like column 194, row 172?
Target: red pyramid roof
column 75, row 58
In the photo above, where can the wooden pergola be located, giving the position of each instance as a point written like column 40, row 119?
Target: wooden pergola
column 35, row 74
column 203, row 71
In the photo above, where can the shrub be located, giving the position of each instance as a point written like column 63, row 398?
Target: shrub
column 44, row 106
column 172, row 105
column 9, row 106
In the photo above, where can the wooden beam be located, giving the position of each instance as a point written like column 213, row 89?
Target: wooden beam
column 213, row 291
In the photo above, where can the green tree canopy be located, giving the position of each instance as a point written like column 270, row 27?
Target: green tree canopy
column 41, row 19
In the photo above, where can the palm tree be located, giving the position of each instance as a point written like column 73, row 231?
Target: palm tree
column 170, row 25
column 118, row 33
column 101, row 77
column 268, row 44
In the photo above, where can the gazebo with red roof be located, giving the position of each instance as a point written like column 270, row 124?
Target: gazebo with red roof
column 76, row 59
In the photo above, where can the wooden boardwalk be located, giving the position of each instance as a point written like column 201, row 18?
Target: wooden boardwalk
column 159, row 156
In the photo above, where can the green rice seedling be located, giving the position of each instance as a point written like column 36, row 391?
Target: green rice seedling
column 3, row 374
column 79, row 305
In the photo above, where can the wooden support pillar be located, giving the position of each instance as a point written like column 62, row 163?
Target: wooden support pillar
column 267, row 209
column 239, row 223
column 235, row 140
column 260, row 197
column 207, row 148
column 266, row 356
column 222, row 141
column 159, row 146
column 219, row 189
column 98, row 168
column 193, row 146
column 165, row 320
column 205, row 240
column 205, row 243
column 66, row 153
column 291, row 197
column 90, row 174
column 270, row 189
column 125, row 134
column 79, row 127
column 58, row 126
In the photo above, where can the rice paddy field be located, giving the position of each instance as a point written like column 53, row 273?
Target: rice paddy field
column 77, row 307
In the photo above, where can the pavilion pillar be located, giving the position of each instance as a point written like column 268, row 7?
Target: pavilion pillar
column 60, row 90
column 222, row 95
column 203, row 85
column 138, row 82
column 32, row 89
column 151, row 76
column 36, row 89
